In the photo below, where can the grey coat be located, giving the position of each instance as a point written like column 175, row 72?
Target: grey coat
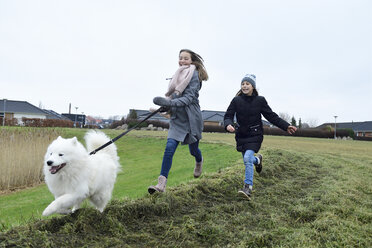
column 186, row 122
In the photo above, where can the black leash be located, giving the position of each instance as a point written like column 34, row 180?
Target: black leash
column 161, row 109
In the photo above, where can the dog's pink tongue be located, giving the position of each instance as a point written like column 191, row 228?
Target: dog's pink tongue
column 53, row 169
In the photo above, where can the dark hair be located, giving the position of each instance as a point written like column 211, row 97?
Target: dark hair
column 254, row 93
column 197, row 60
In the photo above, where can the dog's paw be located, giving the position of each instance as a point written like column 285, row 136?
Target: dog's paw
column 75, row 209
column 48, row 211
column 51, row 209
column 101, row 209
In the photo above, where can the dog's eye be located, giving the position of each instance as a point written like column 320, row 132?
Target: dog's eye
column 61, row 154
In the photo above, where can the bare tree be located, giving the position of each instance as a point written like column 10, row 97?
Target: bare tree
column 312, row 122
column 305, row 125
column 285, row 116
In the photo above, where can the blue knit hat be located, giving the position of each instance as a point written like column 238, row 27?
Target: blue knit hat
column 251, row 78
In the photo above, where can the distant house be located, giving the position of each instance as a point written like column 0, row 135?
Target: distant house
column 20, row 109
column 142, row 114
column 90, row 120
column 364, row 129
column 79, row 120
column 107, row 122
column 54, row 115
column 361, row 129
column 13, row 109
column 342, row 125
column 214, row 118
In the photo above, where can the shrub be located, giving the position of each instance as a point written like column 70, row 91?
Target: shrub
column 363, row 138
column 36, row 122
column 214, row 129
column 116, row 124
column 9, row 122
column 159, row 124
column 274, row 131
column 345, row 132
column 311, row 132
column 132, row 122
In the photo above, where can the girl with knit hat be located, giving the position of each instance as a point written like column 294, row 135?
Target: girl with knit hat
column 247, row 106
column 186, row 122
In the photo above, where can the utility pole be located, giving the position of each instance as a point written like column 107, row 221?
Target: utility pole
column 4, row 113
column 76, row 115
column 335, row 126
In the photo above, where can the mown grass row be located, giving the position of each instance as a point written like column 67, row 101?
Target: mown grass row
column 300, row 200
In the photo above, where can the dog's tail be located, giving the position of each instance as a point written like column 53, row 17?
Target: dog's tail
column 95, row 139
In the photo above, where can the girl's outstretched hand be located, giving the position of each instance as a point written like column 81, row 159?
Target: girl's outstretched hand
column 291, row 129
column 230, row 128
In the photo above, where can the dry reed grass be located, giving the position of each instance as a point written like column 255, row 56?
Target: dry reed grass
column 21, row 156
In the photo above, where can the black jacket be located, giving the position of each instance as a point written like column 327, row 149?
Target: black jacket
column 249, row 130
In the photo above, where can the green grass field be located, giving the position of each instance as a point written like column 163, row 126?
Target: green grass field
column 140, row 157
column 311, row 193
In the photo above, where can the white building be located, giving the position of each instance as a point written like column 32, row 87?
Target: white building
column 22, row 109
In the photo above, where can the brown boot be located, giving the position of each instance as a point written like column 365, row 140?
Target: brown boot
column 198, row 168
column 160, row 187
column 246, row 192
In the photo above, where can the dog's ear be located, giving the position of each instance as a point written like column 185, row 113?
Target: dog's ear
column 74, row 140
column 59, row 137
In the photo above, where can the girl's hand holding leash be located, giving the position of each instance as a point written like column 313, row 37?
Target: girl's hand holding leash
column 291, row 129
column 161, row 101
column 230, row 128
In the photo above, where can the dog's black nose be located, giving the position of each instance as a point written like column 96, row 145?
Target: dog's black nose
column 49, row 162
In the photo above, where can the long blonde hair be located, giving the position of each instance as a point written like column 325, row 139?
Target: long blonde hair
column 197, row 60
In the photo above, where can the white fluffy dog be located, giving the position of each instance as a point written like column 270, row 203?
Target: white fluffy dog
column 72, row 175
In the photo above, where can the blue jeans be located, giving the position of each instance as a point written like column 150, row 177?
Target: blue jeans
column 170, row 149
column 249, row 160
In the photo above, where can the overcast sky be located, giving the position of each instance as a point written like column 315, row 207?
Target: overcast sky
column 312, row 59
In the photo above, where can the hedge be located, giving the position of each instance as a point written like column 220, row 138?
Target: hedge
column 301, row 132
column 363, row 138
column 36, row 122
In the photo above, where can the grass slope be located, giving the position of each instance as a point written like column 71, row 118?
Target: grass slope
column 140, row 158
column 300, row 200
